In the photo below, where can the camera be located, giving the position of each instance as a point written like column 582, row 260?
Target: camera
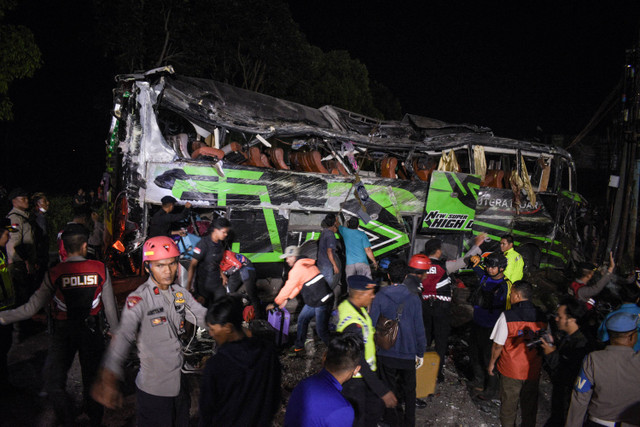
column 535, row 339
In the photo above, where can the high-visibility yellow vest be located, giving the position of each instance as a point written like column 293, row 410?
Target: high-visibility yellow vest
column 7, row 295
column 348, row 315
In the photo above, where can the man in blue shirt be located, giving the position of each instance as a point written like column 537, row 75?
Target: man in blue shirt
column 317, row 401
column 630, row 294
column 327, row 255
column 358, row 249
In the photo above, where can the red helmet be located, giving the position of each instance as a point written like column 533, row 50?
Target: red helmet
column 420, row 262
column 159, row 247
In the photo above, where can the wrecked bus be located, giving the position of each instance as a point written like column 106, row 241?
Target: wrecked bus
column 274, row 168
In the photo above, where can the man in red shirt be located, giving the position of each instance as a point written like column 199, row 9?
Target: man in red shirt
column 519, row 364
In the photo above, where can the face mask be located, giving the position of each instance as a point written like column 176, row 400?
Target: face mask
column 43, row 210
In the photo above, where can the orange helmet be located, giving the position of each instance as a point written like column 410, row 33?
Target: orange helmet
column 159, row 247
column 420, row 262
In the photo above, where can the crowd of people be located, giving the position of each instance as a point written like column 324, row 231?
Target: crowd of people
column 364, row 381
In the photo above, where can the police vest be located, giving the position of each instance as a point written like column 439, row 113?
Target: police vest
column 573, row 290
column 437, row 283
column 7, row 294
column 348, row 315
column 78, row 289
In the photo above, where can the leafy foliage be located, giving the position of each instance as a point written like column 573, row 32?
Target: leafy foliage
column 19, row 57
column 253, row 44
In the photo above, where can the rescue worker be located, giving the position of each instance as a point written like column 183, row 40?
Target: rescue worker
column 607, row 389
column 7, row 302
column 563, row 361
column 154, row 317
column 489, row 301
column 327, row 256
column 241, row 273
column 419, row 264
column 364, row 390
column 210, row 281
column 437, row 294
column 515, row 262
column 305, row 278
column 160, row 223
column 357, row 248
column 582, row 290
column 21, row 249
column 82, row 297
column 519, row 364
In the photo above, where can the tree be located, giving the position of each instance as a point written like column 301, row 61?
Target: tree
column 19, row 57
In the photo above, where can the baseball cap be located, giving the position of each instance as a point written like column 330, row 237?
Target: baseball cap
column 360, row 283
column 622, row 322
column 168, row 199
column 74, row 229
column 18, row 192
column 290, row 251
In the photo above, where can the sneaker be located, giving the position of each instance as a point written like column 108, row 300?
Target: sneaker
column 191, row 368
column 420, row 404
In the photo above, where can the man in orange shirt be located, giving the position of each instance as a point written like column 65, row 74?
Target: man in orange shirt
column 305, row 277
column 519, row 364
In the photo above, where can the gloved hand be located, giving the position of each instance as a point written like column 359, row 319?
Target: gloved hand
column 419, row 362
column 475, row 260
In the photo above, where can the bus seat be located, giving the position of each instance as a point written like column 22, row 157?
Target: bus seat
column 277, row 158
column 265, row 161
column 423, row 169
column 388, row 167
column 296, row 161
column 255, row 157
column 493, row 178
column 206, row 151
column 315, row 160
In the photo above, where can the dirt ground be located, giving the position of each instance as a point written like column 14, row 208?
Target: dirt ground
column 452, row 405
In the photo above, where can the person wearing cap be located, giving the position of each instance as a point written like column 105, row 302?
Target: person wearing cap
column 7, row 301
column 515, row 262
column 437, row 294
column 154, row 318
column 81, row 299
column 489, row 301
column 357, row 248
column 365, row 391
column 21, row 248
column 398, row 364
column 305, row 278
column 160, row 223
column 580, row 287
column 607, row 389
column 630, row 294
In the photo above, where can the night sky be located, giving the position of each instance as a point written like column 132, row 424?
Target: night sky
column 511, row 66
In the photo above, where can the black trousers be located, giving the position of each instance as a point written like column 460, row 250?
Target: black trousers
column 400, row 376
column 162, row 411
column 436, row 315
column 480, row 356
column 71, row 337
column 367, row 406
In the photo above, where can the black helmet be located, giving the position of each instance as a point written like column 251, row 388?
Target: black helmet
column 496, row 259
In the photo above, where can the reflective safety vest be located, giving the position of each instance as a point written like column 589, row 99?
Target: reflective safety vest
column 348, row 315
column 7, row 294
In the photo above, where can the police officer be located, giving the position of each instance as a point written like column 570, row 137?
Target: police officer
column 160, row 223
column 607, row 389
column 437, row 294
column 7, row 301
column 82, row 294
column 515, row 262
column 154, row 317
column 21, row 249
column 364, row 390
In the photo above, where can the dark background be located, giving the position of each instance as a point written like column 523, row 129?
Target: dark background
column 524, row 69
